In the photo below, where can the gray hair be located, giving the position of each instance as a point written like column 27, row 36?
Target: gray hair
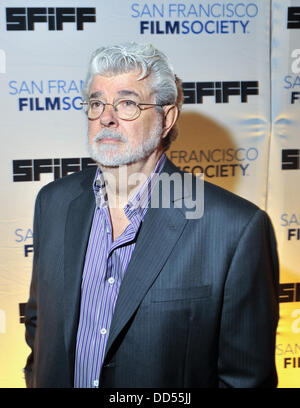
column 150, row 62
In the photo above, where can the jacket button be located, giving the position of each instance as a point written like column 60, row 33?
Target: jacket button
column 109, row 365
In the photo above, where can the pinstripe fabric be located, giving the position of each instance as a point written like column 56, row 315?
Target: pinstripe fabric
column 106, row 262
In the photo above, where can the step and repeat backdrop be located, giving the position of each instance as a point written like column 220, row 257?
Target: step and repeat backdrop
column 239, row 62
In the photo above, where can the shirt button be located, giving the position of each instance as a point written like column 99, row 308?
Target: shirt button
column 103, row 331
column 111, row 280
column 96, row 383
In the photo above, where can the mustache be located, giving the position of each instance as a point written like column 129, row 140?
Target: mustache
column 108, row 134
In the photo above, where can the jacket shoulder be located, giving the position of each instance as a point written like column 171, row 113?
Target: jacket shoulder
column 216, row 196
column 70, row 183
column 222, row 204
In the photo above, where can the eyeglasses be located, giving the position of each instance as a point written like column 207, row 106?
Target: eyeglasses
column 125, row 109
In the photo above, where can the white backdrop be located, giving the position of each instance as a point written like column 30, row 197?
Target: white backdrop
column 233, row 126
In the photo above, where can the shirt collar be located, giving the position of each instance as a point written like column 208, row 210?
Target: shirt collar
column 138, row 204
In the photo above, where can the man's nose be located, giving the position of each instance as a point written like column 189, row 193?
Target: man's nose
column 109, row 117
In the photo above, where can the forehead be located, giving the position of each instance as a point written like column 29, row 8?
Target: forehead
column 122, row 85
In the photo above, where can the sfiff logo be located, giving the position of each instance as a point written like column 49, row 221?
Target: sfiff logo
column 31, row 169
column 22, row 307
column 26, row 18
column 221, row 91
column 293, row 18
column 290, row 159
column 289, row 292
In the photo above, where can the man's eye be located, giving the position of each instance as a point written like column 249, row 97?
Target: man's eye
column 128, row 103
column 95, row 104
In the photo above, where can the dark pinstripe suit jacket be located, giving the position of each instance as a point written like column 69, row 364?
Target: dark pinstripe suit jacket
column 197, row 306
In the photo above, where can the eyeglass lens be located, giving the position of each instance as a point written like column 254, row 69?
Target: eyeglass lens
column 125, row 109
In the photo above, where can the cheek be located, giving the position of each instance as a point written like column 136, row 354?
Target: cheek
column 137, row 135
column 93, row 129
column 142, row 130
column 154, row 122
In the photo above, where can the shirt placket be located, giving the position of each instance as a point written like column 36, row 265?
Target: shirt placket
column 116, row 258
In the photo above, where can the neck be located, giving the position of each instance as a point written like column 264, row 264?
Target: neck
column 123, row 182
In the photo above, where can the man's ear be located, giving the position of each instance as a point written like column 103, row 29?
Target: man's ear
column 170, row 117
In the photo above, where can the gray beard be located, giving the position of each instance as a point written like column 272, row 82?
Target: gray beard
column 109, row 154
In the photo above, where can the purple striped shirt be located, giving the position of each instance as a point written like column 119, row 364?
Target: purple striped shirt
column 106, row 262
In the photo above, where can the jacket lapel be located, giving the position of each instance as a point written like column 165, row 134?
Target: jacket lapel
column 158, row 235
column 78, row 223
column 161, row 229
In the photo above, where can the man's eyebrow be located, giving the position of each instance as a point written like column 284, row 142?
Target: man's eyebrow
column 127, row 92
column 96, row 94
column 123, row 92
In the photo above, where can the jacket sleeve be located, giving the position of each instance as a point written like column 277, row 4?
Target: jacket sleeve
column 32, row 306
column 250, row 310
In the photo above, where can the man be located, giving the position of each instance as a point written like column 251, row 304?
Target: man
column 129, row 294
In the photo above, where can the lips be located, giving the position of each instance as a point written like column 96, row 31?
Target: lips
column 108, row 140
column 107, row 136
